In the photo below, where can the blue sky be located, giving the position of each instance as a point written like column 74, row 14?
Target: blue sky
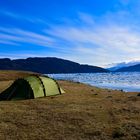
column 96, row 32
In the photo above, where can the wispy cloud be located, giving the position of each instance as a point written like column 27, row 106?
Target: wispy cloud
column 101, row 43
column 22, row 17
column 125, row 2
column 93, row 40
column 7, row 42
column 16, row 35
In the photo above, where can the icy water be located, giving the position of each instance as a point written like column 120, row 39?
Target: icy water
column 127, row 81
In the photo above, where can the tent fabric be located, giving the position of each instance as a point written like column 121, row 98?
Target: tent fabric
column 31, row 87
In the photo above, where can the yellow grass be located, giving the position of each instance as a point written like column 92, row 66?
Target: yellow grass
column 82, row 113
column 11, row 74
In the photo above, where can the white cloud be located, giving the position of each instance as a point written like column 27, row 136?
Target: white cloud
column 99, row 43
column 125, row 2
column 24, row 18
column 7, row 42
column 96, row 41
column 86, row 19
column 15, row 36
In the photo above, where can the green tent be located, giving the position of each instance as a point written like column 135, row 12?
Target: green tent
column 31, row 87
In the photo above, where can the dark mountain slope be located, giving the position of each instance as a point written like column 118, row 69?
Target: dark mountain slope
column 47, row 65
column 135, row 68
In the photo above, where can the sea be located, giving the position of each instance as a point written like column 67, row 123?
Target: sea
column 126, row 81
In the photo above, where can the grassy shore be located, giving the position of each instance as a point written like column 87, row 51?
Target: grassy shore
column 83, row 113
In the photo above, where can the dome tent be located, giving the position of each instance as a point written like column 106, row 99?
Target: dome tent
column 31, row 87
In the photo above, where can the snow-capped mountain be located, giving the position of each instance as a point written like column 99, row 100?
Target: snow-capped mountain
column 115, row 66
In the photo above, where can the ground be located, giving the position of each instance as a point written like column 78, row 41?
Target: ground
column 83, row 113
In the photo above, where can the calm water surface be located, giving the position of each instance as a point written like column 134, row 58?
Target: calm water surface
column 127, row 81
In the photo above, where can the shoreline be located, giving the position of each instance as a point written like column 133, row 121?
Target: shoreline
column 119, row 81
column 84, row 112
column 104, row 88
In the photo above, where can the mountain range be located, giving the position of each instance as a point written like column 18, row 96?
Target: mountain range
column 135, row 68
column 122, row 65
column 48, row 65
